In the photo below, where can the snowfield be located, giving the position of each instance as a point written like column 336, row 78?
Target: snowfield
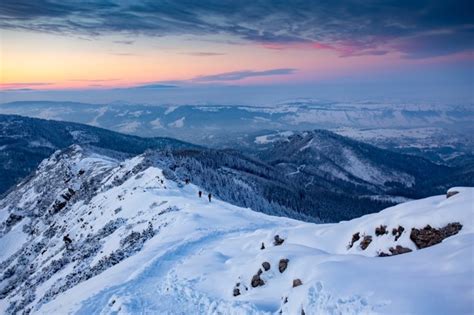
column 145, row 244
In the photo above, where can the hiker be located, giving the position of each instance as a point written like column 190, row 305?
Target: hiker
column 67, row 240
column 209, row 196
column 200, row 194
column 186, row 181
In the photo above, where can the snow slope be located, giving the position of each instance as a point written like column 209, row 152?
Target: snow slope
column 145, row 244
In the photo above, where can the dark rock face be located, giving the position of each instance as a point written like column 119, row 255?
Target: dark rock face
column 257, row 281
column 236, row 292
column 277, row 240
column 429, row 236
column 381, row 230
column 297, row 283
column 398, row 232
column 266, row 265
column 365, row 242
column 399, row 250
column 68, row 195
column 451, row 193
column 355, row 238
column 12, row 220
column 263, row 246
column 395, row 251
column 283, row 264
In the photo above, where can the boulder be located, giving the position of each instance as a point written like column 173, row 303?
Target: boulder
column 451, row 193
column 365, row 242
column 277, row 240
column 355, row 238
column 397, row 232
column 283, row 264
column 399, row 250
column 257, row 281
column 297, row 283
column 381, row 230
column 236, row 292
column 266, row 265
column 263, row 246
column 429, row 236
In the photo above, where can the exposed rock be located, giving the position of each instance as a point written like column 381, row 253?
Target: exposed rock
column 381, row 230
column 257, row 281
column 429, row 236
column 283, row 264
column 297, row 283
column 277, row 240
column 355, row 238
column 399, row 250
column 58, row 206
column 259, row 272
column 397, row 232
column 12, row 220
column 263, row 246
column 365, row 242
column 451, row 193
column 68, row 194
column 266, row 265
column 236, row 292
column 383, row 254
column 451, row 229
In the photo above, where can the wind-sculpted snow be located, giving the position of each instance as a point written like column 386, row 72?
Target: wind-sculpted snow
column 143, row 242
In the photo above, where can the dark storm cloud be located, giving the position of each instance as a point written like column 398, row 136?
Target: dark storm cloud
column 416, row 28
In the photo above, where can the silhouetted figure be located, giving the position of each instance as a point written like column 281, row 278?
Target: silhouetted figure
column 186, row 181
column 209, row 196
column 200, row 194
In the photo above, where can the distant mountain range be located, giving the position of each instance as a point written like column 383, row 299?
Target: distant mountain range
column 313, row 176
column 438, row 132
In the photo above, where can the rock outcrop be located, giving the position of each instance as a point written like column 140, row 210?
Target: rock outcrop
column 277, row 240
column 283, row 264
column 266, row 265
column 365, row 242
column 429, row 236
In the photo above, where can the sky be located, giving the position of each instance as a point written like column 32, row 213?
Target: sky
column 235, row 51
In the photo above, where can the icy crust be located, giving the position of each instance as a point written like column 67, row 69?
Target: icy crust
column 142, row 243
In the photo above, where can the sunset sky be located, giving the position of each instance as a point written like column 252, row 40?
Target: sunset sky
column 107, row 47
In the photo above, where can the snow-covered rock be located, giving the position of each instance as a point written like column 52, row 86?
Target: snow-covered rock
column 143, row 243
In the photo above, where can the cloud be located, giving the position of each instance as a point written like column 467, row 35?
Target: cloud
column 239, row 75
column 124, row 42
column 22, row 86
column 204, row 54
column 93, row 80
column 123, row 54
column 155, row 86
column 360, row 27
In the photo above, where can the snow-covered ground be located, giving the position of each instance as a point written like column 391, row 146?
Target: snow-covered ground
column 196, row 253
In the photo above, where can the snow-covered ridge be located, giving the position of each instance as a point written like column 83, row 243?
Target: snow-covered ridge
column 143, row 243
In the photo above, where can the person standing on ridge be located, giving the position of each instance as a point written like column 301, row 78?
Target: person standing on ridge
column 200, row 194
column 209, row 196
